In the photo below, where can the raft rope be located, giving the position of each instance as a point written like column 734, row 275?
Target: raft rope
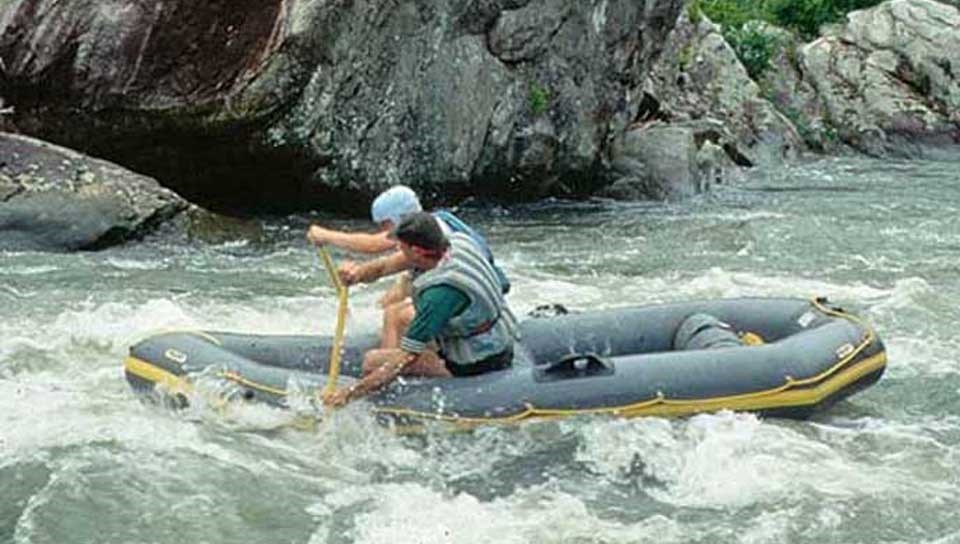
column 341, row 321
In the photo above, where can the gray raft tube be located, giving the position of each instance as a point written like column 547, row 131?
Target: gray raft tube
column 622, row 362
column 626, row 361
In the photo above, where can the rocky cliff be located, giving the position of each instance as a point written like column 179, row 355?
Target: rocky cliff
column 285, row 105
column 296, row 102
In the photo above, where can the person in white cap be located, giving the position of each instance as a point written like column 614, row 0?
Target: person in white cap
column 386, row 211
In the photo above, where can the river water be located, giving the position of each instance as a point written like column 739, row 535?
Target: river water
column 82, row 460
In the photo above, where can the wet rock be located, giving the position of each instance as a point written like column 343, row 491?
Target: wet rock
column 52, row 198
column 212, row 228
column 658, row 160
column 713, row 165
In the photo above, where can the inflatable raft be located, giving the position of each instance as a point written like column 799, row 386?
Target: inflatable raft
column 778, row 357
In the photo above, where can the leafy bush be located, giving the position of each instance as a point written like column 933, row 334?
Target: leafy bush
column 807, row 16
column 731, row 13
column 739, row 19
column 754, row 46
column 802, row 16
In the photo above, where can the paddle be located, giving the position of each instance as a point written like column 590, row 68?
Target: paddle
column 341, row 318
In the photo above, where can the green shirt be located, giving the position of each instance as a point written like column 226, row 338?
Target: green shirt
column 434, row 308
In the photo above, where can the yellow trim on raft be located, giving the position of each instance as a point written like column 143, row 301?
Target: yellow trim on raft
column 179, row 384
column 158, row 376
column 784, row 396
column 790, row 394
column 234, row 377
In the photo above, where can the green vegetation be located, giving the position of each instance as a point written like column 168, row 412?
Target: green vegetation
column 754, row 46
column 539, row 99
column 741, row 23
column 694, row 13
column 805, row 17
column 685, row 58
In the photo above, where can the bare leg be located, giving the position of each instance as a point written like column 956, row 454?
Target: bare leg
column 400, row 290
column 396, row 319
column 428, row 364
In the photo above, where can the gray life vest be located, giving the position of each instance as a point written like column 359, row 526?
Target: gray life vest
column 486, row 327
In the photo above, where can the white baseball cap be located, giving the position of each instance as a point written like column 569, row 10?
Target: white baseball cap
column 394, row 203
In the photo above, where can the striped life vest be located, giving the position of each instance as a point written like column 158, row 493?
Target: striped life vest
column 450, row 223
column 486, row 327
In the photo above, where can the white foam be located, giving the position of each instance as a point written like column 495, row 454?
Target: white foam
column 714, row 282
column 42, row 414
column 736, row 460
column 33, row 270
column 905, row 293
column 135, row 264
column 416, row 513
column 916, row 356
column 110, row 327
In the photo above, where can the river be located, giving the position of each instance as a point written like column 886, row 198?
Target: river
column 83, row 460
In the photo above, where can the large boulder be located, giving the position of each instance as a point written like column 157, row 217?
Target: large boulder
column 52, row 198
column 699, row 80
column 890, row 79
column 658, row 160
column 303, row 103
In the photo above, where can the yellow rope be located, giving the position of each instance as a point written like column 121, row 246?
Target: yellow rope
column 341, row 321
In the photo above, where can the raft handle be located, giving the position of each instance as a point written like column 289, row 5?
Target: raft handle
column 578, row 365
column 824, row 302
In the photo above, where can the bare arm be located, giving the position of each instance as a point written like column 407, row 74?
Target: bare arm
column 371, row 271
column 373, row 381
column 382, row 375
column 360, row 242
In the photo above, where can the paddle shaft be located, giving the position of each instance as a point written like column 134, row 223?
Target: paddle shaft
column 341, row 320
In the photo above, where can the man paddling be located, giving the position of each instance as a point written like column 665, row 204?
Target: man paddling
column 386, row 211
column 462, row 324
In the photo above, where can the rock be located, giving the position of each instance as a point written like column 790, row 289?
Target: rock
column 712, row 166
column 211, row 228
column 296, row 104
column 525, row 34
column 52, row 198
column 658, row 161
column 794, row 95
column 6, row 125
column 699, row 76
column 890, row 81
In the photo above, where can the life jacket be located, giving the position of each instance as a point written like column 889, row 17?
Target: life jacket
column 486, row 327
column 450, row 223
